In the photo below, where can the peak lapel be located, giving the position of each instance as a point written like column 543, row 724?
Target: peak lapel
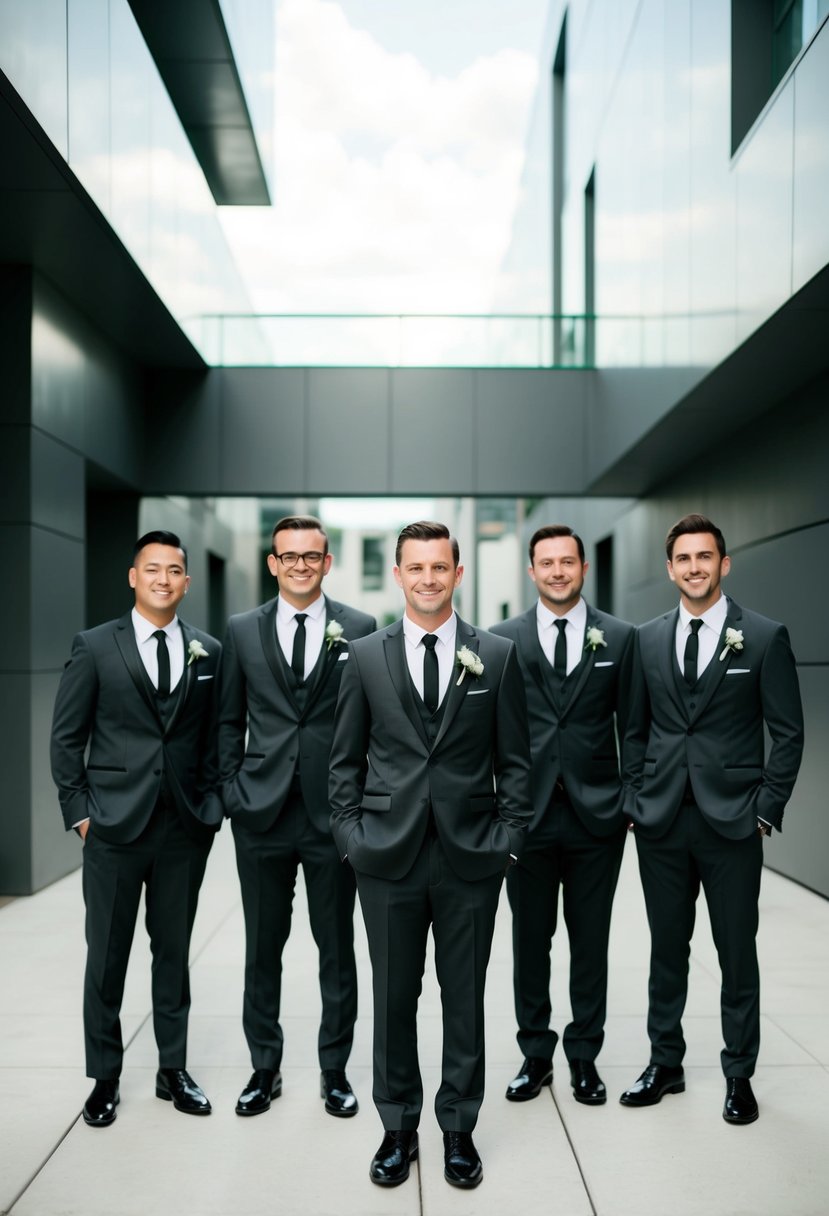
column 717, row 675
column 185, row 683
column 455, row 693
column 329, row 657
column 666, row 656
column 125, row 641
column 393, row 648
column 533, row 655
column 588, row 660
column 273, row 655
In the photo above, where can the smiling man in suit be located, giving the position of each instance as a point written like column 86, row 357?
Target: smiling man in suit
column 430, row 799
column 139, row 692
column 576, row 667
column 707, row 677
column 280, row 675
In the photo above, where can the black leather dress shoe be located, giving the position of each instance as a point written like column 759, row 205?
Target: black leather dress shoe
column 339, row 1097
column 461, row 1163
column 656, row 1081
column 390, row 1164
column 99, row 1108
column 255, row 1098
column 740, row 1102
column 534, row 1075
column 177, row 1086
column 588, row 1087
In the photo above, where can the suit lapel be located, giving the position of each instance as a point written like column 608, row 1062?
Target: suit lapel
column 329, row 656
column 666, row 657
column 272, row 652
column 393, row 648
column 588, row 658
column 465, row 636
column 533, row 655
column 716, row 677
column 185, row 683
column 125, row 641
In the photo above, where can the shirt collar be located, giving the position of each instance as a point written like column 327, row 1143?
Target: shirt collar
column 713, row 617
column 145, row 629
column 286, row 612
column 577, row 616
column 445, row 632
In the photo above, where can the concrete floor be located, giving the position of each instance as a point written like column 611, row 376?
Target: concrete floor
column 550, row 1156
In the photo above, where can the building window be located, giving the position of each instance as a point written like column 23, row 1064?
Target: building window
column 373, row 563
column 766, row 38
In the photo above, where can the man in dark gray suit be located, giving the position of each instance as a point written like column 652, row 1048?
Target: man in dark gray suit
column 139, row 692
column 430, row 799
column 576, row 665
column 280, row 675
column 707, row 677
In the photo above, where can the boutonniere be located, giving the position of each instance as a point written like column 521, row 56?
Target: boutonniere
column 733, row 641
column 334, row 634
column 196, row 651
column 470, row 662
column 595, row 639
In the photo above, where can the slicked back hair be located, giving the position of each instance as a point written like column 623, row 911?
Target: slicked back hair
column 426, row 529
column 549, row 532
column 693, row 524
column 159, row 538
column 298, row 523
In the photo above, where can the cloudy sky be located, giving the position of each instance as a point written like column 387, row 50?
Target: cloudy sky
column 398, row 151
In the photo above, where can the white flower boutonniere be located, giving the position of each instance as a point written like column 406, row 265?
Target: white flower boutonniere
column 595, row 639
column 196, row 651
column 334, row 634
column 733, row 641
column 470, row 662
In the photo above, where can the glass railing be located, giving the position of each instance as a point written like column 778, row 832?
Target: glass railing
column 526, row 340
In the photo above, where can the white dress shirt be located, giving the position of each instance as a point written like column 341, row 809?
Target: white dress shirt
column 286, row 628
column 713, row 623
column 574, row 634
column 148, row 647
column 445, row 650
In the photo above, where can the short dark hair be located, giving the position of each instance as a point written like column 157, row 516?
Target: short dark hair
column 298, row 523
column 159, row 538
column 691, row 524
column 426, row 529
column 549, row 532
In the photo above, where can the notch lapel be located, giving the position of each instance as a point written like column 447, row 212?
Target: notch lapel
column 465, row 635
column 273, row 655
column 588, row 659
column 666, row 658
column 185, row 683
column 329, row 657
column 533, row 655
column 125, row 641
column 716, row 677
column 393, row 648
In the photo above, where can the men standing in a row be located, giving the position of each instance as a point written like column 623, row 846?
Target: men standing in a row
column 280, row 675
column 139, row 692
column 430, row 799
column 706, row 678
column 576, row 667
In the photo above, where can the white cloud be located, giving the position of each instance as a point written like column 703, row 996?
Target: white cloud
column 394, row 187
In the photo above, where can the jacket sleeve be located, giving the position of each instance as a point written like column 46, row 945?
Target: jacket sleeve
column 349, row 750
column 783, row 714
column 512, row 757
column 71, row 726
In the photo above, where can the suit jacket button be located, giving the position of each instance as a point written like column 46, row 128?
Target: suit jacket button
column 156, row 772
column 690, row 730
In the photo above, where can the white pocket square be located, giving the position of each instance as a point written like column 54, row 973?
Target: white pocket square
column 606, row 663
column 343, row 657
column 204, row 677
column 476, row 692
column 738, row 671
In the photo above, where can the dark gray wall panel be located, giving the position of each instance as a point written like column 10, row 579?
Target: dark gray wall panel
column 348, row 431
column 15, row 474
column 434, row 439
column 530, row 432
column 15, row 623
column 57, row 607
column 15, row 805
column 263, row 432
column 183, row 438
column 58, row 480
column 54, row 850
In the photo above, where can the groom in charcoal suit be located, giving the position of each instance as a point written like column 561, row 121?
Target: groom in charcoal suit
column 576, row 666
column 707, row 677
column 280, row 675
column 139, row 692
column 430, row 799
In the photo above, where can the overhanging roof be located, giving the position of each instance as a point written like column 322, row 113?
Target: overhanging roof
column 189, row 42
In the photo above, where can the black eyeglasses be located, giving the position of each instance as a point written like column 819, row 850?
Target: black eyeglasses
column 289, row 560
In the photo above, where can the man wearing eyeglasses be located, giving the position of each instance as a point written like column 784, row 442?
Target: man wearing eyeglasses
column 279, row 682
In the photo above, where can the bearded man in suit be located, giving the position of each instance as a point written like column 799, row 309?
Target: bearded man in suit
column 280, row 675
column 576, row 665
column 139, row 692
column 707, row 678
column 430, row 800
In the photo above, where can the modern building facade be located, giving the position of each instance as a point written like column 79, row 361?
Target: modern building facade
column 674, row 196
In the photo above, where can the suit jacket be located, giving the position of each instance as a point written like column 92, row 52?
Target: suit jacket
column 106, row 699
column 264, row 731
column 386, row 779
column 575, row 739
column 714, row 738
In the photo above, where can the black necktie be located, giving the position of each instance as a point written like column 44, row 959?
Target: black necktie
column 692, row 654
column 298, row 655
column 431, row 680
column 560, row 652
column 163, row 685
